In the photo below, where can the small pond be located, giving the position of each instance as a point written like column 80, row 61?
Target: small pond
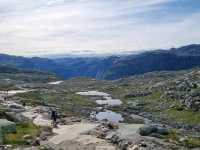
column 106, row 99
column 108, row 115
column 93, row 93
column 55, row 83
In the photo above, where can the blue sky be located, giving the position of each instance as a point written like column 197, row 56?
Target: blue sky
column 38, row 27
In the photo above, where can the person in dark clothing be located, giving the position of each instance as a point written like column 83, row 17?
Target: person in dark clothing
column 23, row 104
column 54, row 117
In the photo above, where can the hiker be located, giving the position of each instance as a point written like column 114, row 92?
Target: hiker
column 54, row 118
column 23, row 104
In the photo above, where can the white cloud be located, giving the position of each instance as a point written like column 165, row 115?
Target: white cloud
column 64, row 26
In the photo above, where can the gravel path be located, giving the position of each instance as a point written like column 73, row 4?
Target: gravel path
column 72, row 137
column 71, row 132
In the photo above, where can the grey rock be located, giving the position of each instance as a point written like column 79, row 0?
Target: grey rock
column 16, row 106
column 137, row 118
column 36, row 142
column 147, row 130
column 69, row 120
column 27, row 137
column 115, row 139
column 153, row 130
column 162, row 131
column 18, row 117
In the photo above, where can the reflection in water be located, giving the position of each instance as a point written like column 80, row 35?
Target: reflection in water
column 106, row 100
column 92, row 93
column 109, row 101
column 110, row 116
column 55, row 83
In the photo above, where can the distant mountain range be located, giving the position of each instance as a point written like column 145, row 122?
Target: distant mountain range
column 112, row 67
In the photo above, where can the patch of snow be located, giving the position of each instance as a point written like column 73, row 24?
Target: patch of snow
column 109, row 102
column 55, row 83
column 107, row 99
column 93, row 93
column 7, row 79
column 16, row 91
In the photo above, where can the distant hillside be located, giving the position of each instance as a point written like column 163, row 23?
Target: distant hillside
column 113, row 67
column 14, row 70
column 189, row 50
column 116, row 67
column 10, row 74
column 35, row 63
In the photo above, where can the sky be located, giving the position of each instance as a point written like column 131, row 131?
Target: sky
column 41, row 27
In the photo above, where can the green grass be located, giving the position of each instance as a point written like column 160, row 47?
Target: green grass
column 185, row 116
column 151, row 103
column 192, row 142
column 16, row 139
column 189, row 142
column 173, row 135
column 69, row 102
column 155, row 96
column 33, row 97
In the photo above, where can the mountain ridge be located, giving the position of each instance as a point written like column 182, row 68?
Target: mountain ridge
column 112, row 67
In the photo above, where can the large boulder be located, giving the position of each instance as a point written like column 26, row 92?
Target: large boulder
column 147, row 130
column 16, row 108
column 18, row 117
column 69, row 120
column 193, row 103
column 138, row 94
column 152, row 130
column 162, row 131
column 137, row 119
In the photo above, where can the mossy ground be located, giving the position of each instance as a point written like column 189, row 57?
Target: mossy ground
column 152, row 102
column 64, row 96
column 17, row 139
column 69, row 103
column 187, row 141
column 184, row 116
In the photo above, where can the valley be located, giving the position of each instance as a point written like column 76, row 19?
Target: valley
column 109, row 67
column 99, row 75
column 157, row 110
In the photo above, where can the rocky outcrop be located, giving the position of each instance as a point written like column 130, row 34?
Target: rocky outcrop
column 153, row 130
column 138, row 94
column 185, row 90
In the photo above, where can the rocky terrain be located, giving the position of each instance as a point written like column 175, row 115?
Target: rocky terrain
column 153, row 111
